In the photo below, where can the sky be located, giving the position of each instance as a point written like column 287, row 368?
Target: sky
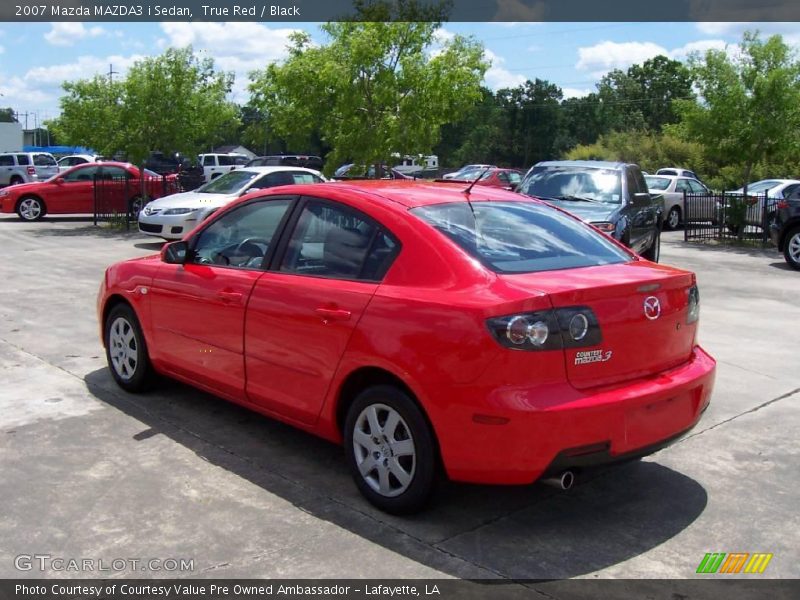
column 35, row 58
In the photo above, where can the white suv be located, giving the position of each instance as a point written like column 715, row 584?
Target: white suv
column 26, row 167
column 215, row 165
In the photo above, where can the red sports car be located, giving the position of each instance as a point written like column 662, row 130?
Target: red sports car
column 502, row 178
column 487, row 333
column 73, row 191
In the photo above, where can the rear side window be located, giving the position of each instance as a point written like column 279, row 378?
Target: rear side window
column 208, row 161
column 6, row 160
column 302, row 177
column 333, row 241
column 521, row 237
column 23, row 159
column 44, row 160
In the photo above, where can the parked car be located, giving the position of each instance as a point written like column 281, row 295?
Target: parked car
column 466, row 171
column 287, row 160
column 215, row 165
column 507, row 179
column 26, row 167
column 172, row 216
column 487, row 333
column 66, row 162
column 72, row 192
column 671, row 189
column 760, row 213
column 351, row 171
column 164, row 164
column 677, row 172
column 785, row 230
column 611, row 196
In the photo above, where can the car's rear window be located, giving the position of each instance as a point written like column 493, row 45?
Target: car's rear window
column 657, row 183
column 44, row 160
column 521, row 237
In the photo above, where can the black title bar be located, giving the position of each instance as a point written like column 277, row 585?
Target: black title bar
column 459, row 10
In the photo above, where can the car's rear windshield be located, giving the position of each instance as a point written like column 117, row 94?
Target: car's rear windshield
column 230, row 183
column 567, row 182
column 521, row 237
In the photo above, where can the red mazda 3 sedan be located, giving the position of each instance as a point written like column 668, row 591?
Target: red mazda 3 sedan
column 424, row 326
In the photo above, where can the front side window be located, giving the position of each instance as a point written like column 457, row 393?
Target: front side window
column 573, row 183
column 333, row 241
column 521, row 237
column 117, row 173
column 697, row 187
column 241, row 237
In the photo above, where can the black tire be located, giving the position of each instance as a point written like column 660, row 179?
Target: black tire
column 653, row 253
column 126, row 350
column 673, row 219
column 135, row 206
column 411, row 430
column 31, row 208
column 791, row 248
column 16, row 180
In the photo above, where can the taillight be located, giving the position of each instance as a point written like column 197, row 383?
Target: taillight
column 31, row 170
column 694, row 305
column 782, row 204
column 571, row 327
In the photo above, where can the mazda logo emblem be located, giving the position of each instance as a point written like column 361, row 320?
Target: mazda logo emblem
column 652, row 308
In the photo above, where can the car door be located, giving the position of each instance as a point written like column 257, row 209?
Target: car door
column 642, row 211
column 7, row 166
column 73, row 192
column 198, row 308
column 302, row 313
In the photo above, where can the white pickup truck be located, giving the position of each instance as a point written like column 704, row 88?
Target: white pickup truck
column 215, row 165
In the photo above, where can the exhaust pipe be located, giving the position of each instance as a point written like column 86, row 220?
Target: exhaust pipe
column 563, row 481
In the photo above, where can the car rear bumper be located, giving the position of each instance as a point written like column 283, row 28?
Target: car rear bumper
column 517, row 436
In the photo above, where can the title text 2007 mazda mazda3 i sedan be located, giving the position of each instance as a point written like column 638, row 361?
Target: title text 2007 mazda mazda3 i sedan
column 425, row 326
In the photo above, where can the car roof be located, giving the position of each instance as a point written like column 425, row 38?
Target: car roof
column 275, row 169
column 598, row 164
column 406, row 192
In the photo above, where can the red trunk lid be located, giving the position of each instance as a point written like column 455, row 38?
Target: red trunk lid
column 635, row 342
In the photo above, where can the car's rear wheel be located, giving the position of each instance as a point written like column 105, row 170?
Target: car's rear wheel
column 791, row 248
column 126, row 350
column 673, row 218
column 390, row 450
column 30, row 208
column 16, row 180
column 653, row 253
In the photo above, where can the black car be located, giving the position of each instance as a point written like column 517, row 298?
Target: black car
column 287, row 160
column 785, row 229
column 611, row 196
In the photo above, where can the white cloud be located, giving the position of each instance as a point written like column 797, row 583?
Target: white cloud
column 700, row 46
column 605, row 56
column 442, row 36
column 85, row 67
column 575, row 92
column 66, row 34
column 244, row 40
column 496, row 76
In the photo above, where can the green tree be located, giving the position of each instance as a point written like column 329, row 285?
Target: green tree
column 7, row 115
column 373, row 90
column 172, row 102
column 749, row 111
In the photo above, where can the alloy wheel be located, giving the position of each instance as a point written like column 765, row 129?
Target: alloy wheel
column 123, row 348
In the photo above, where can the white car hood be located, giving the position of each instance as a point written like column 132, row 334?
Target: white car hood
column 192, row 200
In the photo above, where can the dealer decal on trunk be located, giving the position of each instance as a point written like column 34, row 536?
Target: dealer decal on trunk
column 592, row 356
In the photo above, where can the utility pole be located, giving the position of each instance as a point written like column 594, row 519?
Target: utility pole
column 111, row 73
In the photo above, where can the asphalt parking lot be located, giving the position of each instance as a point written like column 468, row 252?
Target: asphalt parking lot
column 89, row 471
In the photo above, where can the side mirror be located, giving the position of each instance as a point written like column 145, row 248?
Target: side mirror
column 175, row 253
column 59, row 181
column 641, row 197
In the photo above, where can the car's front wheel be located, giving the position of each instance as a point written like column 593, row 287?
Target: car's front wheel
column 30, row 208
column 126, row 350
column 390, row 450
column 791, row 248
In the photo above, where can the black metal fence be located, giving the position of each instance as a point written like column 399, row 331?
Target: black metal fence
column 728, row 216
column 120, row 199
